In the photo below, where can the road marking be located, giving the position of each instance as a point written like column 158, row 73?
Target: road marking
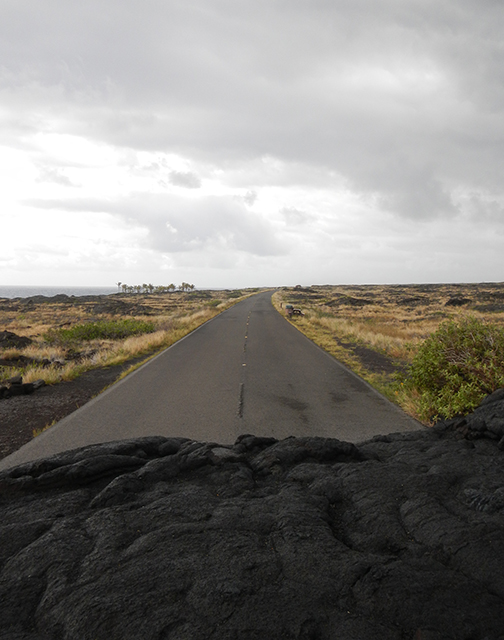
column 240, row 400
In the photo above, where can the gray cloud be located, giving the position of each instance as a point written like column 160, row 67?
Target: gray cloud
column 371, row 91
column 174, row 224
column 215, row 223
column 295, row 216
column 250, row 198
column 56, row 176
column 400, row 105
column 185, row 179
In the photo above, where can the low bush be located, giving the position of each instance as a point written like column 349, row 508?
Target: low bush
column 456, row 367
column 101, row 330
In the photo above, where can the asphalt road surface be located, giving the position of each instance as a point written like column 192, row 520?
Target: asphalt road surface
column 246, row 371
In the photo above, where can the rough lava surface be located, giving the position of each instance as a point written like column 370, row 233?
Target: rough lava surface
column 400, row 537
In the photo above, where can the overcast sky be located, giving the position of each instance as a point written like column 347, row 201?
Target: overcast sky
column 234, row 143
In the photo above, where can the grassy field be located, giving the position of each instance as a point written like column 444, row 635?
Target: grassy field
column 71, row 335
column 376, row 330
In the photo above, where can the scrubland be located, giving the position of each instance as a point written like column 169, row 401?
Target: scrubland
column 71, row 335
column 381, row 332
column 377, row 330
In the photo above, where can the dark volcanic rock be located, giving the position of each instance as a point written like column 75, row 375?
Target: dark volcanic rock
column 118, row 307
column 17, row 361
column 457, row 301
column 18, row 388
column 41, row 299
column 308, row 538
column 412, row 300
column 9, row 340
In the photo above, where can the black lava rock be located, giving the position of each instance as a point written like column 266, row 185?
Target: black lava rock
column 18, row 388
column 9, row 340
column 457, row 301
column 401, row 537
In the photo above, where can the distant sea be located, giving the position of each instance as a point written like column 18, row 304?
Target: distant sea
column 12, row 291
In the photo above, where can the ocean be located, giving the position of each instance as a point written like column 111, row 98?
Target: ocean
column 13, row 291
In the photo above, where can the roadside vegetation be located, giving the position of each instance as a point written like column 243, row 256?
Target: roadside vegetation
column 100, row 330
column 72, row 335
column 456, row 367
column 435, row 350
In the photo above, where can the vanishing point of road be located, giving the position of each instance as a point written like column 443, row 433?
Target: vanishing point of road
column 246, row 371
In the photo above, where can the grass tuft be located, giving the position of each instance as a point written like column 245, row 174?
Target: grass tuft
column 37, row 432
column 100, row 330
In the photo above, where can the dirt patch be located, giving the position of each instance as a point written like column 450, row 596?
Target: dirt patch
column 372, row 360
column 21, row 415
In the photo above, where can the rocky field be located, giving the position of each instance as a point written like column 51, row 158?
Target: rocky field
column 400, row 537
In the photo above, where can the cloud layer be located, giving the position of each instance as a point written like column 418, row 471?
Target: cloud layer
column 285, row 139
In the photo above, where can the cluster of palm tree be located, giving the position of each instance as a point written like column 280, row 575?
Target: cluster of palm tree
column 150, row 288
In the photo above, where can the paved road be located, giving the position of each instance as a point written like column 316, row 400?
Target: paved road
column 246, row 371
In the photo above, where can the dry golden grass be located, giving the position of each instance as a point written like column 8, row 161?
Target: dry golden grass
column 37, row 432
column 354, row 322
column 173, row 315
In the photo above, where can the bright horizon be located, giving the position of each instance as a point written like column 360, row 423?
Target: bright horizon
column 228, row 144
column 273, row 286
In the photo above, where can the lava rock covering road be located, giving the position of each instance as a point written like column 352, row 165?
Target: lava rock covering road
column 399, row 537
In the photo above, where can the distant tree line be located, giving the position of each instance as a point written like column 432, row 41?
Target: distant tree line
column 150, row 288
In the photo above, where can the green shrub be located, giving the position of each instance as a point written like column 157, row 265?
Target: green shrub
column 101, row 330
column 456, row 367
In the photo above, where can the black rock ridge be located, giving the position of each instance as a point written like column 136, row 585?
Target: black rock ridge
column 400, row 537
